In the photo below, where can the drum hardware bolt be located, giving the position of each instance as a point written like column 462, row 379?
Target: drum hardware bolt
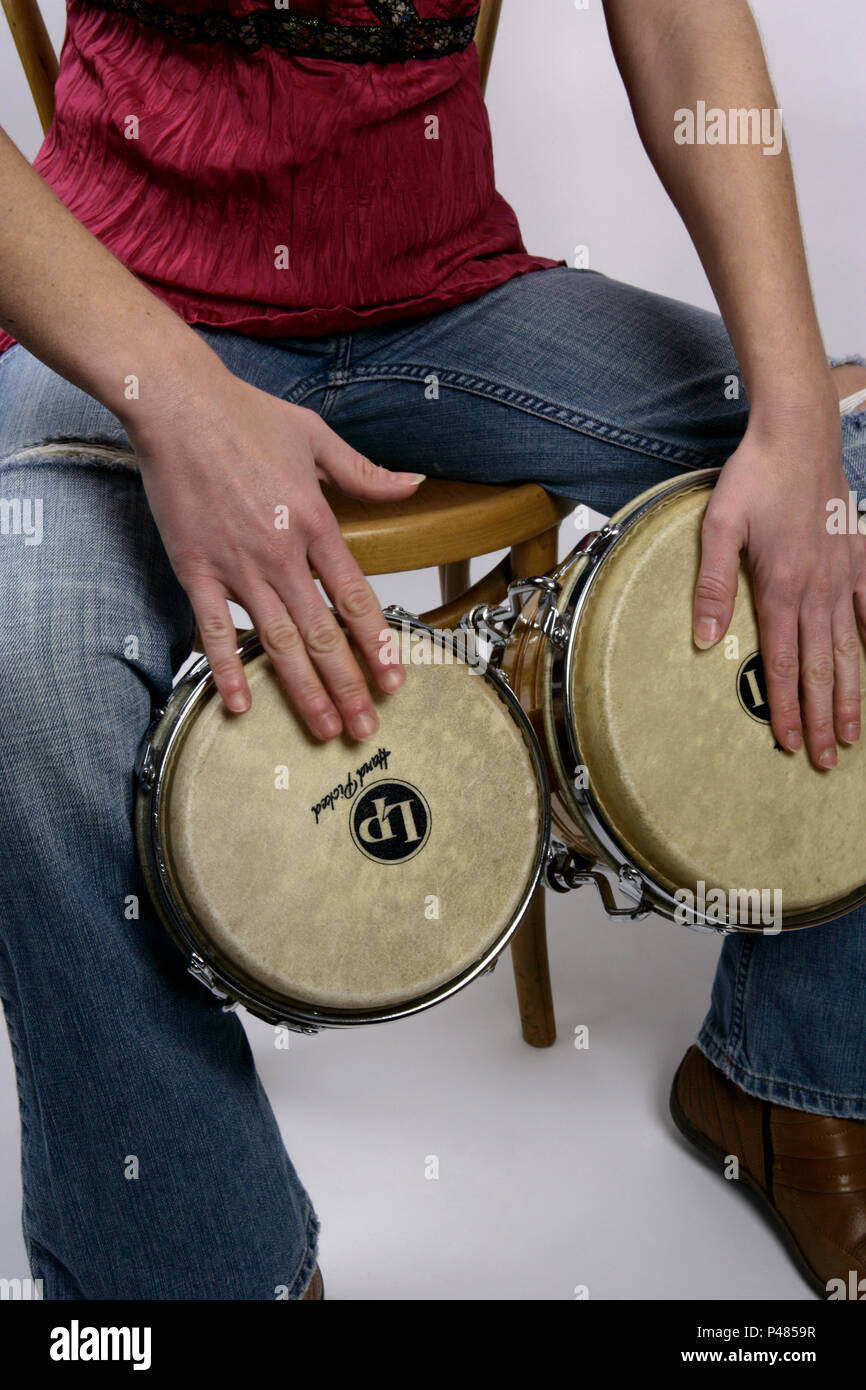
column 394, row 610
column 562, row 867
column 489, row 969
column 555, row 630
column 630, row 881
column 145, row 766
column 593, row 544
column 600, row 540
column 479, row 621
column 203, row 973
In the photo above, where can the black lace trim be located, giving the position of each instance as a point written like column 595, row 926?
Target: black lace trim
column 399, row 36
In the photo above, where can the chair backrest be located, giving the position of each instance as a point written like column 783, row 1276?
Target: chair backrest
column 36, row 53
column 40, row 61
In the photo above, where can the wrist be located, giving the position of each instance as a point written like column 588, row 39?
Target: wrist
column 175, row 386
column 805, row 405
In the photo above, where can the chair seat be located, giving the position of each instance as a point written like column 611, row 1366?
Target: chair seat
column 443, row 521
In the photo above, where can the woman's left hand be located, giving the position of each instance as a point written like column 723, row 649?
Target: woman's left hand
column 809, row 582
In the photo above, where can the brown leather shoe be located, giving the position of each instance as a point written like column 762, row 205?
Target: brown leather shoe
column 316, row 1287
column 808, row 1170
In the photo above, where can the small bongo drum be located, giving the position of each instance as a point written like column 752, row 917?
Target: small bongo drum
column 340, row 883
column 666, row 777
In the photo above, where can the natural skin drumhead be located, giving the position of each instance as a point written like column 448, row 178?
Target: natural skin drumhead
column 356, row 875
column 676, row 741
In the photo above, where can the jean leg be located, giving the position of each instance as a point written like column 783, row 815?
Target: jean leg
column 152, row 1163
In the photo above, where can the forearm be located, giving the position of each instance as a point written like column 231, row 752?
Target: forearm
column 737, row 202
column 74, row 305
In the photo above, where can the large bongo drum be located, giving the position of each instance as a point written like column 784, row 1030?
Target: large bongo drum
column 341, row 883
column 666, row 777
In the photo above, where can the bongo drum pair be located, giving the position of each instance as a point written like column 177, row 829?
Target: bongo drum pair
column 573, row 732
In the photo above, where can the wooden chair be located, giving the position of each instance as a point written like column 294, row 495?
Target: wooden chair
column 445, row 525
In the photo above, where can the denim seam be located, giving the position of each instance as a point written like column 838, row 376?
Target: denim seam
column 336, row 376
column 529, row 404
column 738, row 1013
column 304, row 1276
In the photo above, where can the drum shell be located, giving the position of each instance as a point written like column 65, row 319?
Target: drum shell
column 524, row 662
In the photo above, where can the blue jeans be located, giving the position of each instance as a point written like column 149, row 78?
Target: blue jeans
column 593, row 388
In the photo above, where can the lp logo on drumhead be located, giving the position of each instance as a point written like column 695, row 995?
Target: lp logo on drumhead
column 752, row 688
column 390, row 821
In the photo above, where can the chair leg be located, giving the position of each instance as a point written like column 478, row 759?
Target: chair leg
column 532, row 975
column 453, row 579
column 529, row 944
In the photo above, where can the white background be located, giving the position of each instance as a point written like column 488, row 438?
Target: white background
column 561, row 1167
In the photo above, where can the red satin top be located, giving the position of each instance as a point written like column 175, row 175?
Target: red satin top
column 281, row 170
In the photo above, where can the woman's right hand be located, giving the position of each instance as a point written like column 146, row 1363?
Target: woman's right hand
column 232, row 477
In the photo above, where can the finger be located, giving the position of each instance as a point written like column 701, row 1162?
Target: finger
column 353, row 473
column 716, row 587
column 220, row 643
column 281, row 638
column 327, row 648
column 817, row 672
column 780, row 654
column 358, row 606
column 846, row 681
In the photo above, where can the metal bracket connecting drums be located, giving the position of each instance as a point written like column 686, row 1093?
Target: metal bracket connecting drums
column 566, row 870
column 494, row 621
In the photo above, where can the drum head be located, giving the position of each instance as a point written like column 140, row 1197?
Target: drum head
column 680, row 756
column 347, row 875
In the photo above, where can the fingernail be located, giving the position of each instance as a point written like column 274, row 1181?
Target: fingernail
column 238, row 702
column 392, row 679
column 415, row 477
column 827, row 758
column 851, row 732
column 363, row 725
column 706, row 633
column 794, row 740
column 330, row 725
